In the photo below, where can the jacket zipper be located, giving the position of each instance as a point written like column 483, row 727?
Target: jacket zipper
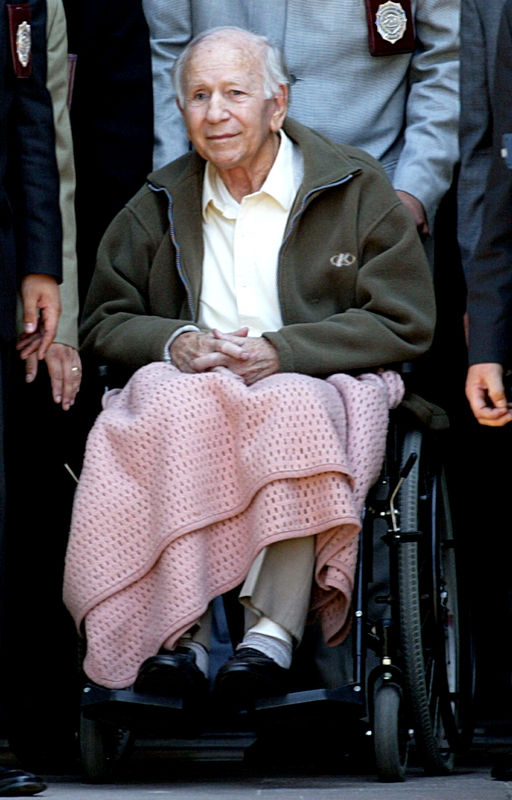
column 288, row 232
column 306, row 198
column 290, row 227
column 172, row 233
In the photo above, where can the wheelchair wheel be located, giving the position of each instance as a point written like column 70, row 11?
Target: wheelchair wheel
column 103, row 748
column 390, row 735
column 434, row 638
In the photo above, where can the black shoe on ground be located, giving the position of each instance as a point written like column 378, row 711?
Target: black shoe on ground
column 502, row 767
column 172, row 674
column 248, row 676
column 18, row 783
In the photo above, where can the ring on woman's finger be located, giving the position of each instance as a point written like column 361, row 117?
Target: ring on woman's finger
column 75, row 369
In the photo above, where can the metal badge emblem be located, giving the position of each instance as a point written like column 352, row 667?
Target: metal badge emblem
column 391, row 21
column 23, row 43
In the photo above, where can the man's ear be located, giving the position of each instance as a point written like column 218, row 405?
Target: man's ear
column 280, row 108
column 182, row 112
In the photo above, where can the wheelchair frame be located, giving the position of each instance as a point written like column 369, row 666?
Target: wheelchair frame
column 420, row 691
column 427, row 692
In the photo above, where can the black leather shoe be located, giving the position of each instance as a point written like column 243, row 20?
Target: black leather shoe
column 248, row 676
column 502, row 768
column 172, row 674
column 18, row 783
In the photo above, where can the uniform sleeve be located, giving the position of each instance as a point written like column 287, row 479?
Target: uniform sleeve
column 488, row 275
column 35, row 180
column 57, row 83
column 170, row 28
column 425, row 166
column 478, row 49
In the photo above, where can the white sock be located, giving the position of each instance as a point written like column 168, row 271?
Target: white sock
column 276, row 649
column 271, row 628
column 200, row 652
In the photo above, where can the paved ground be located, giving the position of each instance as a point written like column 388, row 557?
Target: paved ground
column 155, row 771
column 465, row 785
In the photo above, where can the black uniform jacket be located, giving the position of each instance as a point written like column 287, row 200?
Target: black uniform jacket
column 30, row 223
column 489, row 275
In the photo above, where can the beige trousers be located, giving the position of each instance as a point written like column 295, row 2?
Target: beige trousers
column 278, row 587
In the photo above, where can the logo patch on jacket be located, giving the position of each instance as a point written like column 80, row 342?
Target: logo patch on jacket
column 342, row 259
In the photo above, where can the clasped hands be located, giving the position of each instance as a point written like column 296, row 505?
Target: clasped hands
column 250, row 358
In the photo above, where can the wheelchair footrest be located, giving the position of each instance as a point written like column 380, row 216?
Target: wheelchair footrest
column 126, row 707
column 313, row 701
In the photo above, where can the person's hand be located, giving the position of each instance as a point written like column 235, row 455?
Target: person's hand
column 416, row 210
column 486, row 394
column 261, row 360
column 201, row 352
column 65, row 371
column 248, row 357
column 41, row 310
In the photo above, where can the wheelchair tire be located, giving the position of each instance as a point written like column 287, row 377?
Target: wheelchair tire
column 433, row 638
column 390, row 735
column 103, row 747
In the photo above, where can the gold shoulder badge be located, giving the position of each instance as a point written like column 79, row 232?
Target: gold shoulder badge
column 391, row 21
column 23, row 43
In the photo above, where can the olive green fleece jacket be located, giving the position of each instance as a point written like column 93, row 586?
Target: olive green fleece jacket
column 353, row 282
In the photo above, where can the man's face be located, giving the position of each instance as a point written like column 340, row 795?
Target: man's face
column 229, row 121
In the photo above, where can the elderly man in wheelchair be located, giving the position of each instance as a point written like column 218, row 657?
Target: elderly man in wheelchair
column 260, row 290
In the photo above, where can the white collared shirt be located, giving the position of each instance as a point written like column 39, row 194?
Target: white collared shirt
column 241, row 246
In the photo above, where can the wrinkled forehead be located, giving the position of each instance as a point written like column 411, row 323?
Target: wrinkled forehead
column 225, row 56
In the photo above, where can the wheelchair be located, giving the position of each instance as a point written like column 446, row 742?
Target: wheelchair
column 409, row 684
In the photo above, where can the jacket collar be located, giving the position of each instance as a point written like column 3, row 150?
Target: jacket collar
column 324, row 162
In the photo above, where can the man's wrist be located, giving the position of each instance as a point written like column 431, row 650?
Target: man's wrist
column 167, row 348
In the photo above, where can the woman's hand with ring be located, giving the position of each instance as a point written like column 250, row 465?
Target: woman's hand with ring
column 65, row 371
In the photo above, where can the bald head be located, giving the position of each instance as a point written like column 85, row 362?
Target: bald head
column 232, row 112
column 260, row 53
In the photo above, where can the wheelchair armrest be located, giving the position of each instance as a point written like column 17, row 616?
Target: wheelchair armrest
column 428, row 414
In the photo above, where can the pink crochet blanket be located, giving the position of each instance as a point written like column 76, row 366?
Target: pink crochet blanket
column 187, row 477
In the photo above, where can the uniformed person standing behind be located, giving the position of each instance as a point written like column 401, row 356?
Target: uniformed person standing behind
column 30, row 237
